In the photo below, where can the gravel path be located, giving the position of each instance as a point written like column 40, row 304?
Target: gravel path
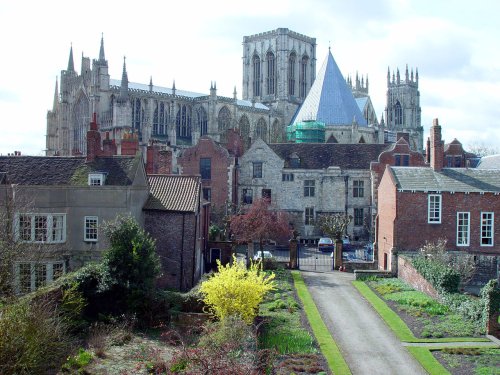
column 367, row 344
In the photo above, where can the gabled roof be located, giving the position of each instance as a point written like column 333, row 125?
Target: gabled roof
column 447, row 180
column 173, row 193
column 55, row 170
column 330, row 100
column 324, row 155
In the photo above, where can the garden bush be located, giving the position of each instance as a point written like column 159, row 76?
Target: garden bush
column 34, row 337
column 443, row 278
column 234, row 290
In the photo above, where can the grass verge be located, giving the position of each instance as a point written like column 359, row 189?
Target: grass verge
column 328, row 347
column 424, row 356
column 397, row 325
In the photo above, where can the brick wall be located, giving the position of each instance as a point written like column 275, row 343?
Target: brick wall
column 386, row 217
column 407, row 273
column 189, row 162
column 175, row 244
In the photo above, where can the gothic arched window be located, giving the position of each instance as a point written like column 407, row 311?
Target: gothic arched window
column 224, row 122
column 291, row 73
column 276, row 132
column 81, row 121
column 261, row 130
column 303, row 76
column 398, row 114
column 201, row 115
column 163, row 119
column 244, row 126
column 136, row 115
column 256, row 75
column 271, row 73
column 155, row 120
column 183, row 122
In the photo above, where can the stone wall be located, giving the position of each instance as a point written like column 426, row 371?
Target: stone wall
column 407, row 273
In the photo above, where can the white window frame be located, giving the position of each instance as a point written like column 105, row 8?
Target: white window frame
column 433, row 214
column 87, row 220
column 484, row 228
column 358, row 189
column 49, row 268
column 309, row 188
column 54, row 231
column 463, row 228
column 96, row 179
column 309, row 219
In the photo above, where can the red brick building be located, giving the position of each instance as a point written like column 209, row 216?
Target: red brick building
column 216, row 166
column 176, row 218
column 419, row 204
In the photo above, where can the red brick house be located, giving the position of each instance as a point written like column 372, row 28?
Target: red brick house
column 216, row 166
column 175, row 216
column 419, row 204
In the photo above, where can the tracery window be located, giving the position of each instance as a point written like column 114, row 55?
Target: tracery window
column 202, row 119
column 256, row 75
column 261, row 130
column 244, row 126
column 271, row 73
column 291, row 74
column 303, row 76
column 81, row 120
column 183, row 122
column 224, row 122
column 398, row 114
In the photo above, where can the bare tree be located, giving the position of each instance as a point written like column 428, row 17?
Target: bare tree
column 481, row 149
column 334, row 225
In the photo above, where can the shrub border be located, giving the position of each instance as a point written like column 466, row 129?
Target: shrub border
column 327, row 344
column 396, row 324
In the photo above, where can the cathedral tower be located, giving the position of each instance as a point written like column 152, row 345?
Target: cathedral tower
column 279, row 67
column 403, row 111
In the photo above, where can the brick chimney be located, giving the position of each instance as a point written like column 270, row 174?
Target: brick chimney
column 158, row 161
column 109, row 146
column 437, row 146
column 130, row 144
column 93, row 140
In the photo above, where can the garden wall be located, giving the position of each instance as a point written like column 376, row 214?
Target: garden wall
column 407, row 273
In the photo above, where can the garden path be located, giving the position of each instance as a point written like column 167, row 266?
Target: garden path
column 366, row 342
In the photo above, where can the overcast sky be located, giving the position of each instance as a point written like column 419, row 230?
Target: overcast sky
column 454, row 45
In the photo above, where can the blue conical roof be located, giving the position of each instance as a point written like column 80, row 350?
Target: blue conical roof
column 330, row 100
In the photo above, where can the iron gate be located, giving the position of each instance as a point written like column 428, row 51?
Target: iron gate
column 311, row 259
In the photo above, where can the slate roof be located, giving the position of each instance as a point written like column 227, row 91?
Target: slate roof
column 330, row 100
column 324, row 155
column 173, row 193
column 489, row 162
column 447, row 180
column 46, row 170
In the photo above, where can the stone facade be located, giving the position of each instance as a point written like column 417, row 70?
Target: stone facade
column 307, row 191
column 279, row 68
column 403, row 112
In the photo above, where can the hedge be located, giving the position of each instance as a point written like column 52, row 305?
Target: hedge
column 445, row 279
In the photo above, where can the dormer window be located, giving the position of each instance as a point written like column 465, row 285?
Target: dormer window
column 294, row 161
column 96, row 179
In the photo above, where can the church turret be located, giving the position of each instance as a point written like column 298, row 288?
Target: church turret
column 151, row 84
column 102, row 58
column 388, row 77
column 416, row 76
column 406, row 74
column 173, row 88
column 398, row 78
column 71, row 64
column 235, row 94
column 124, row 83
column 56, row 97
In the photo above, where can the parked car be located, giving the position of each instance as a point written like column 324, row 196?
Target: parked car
column 346, row 244
column 325, row 244
column 262, row 254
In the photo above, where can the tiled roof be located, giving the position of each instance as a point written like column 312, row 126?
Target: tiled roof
column 173, row 193
column 448, row 179
column 160, row 89
column 324, row 155
column 44, row 170
column 330, row 100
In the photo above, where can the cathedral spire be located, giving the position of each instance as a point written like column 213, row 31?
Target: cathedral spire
column 388, row 76
column 71, row 64
column 235, row 94
column 416, row 75
column 124, row 84
column 102, row 58
column 406, row 74
column 56, row 96
column 151, row 84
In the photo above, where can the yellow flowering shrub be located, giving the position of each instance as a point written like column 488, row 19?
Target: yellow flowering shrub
column 236, row 290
